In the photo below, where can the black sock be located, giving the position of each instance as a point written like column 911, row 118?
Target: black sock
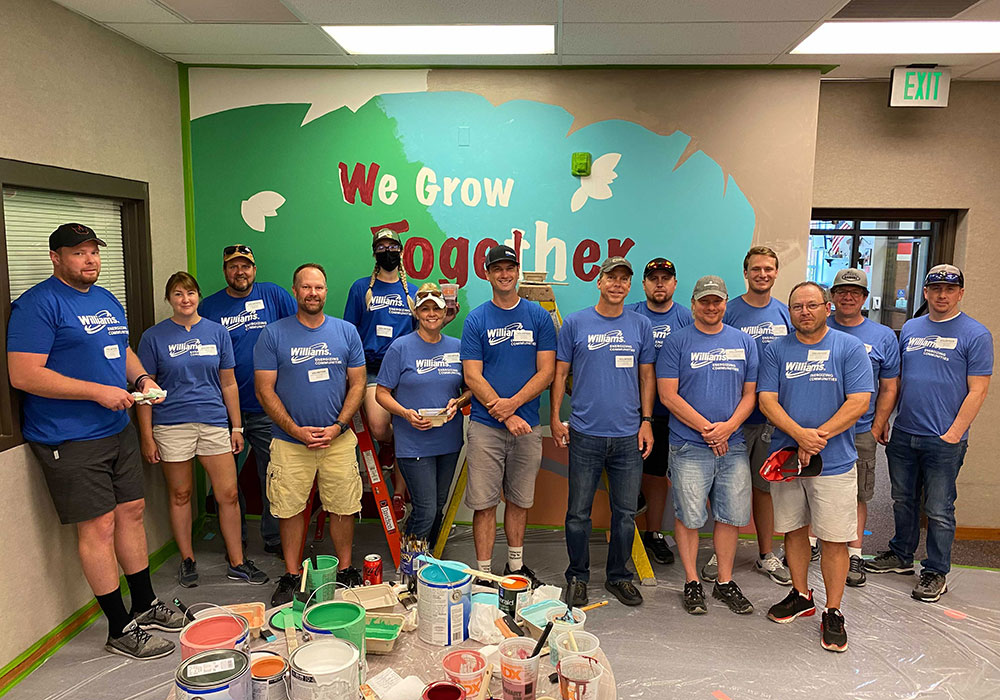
column 141, row 589
column 114, row 609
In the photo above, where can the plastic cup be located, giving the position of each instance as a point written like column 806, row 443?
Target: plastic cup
column 587, row 644
column 561, row 626
column 467, row 668
column 579, row 678
column 450, row 293
column 519, row 668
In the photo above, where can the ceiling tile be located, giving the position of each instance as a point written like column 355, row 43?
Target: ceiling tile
column 426, row 11
column 118, row 11
column 701, row 11
column 262, row 59
column 667, row 60
column 230, row 38
column 262, row 11
column 691, row 38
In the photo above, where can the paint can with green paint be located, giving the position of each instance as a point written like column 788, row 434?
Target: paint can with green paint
column 339, row 618
column 323, row 573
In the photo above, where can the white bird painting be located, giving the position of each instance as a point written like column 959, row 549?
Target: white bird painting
column 597, row 185
column 258, row 207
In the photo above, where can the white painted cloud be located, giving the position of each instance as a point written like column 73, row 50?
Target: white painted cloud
column 597, row 185
column 258, row 207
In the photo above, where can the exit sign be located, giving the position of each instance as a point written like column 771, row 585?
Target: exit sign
column 919, row 87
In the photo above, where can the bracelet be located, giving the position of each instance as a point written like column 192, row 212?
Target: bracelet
column 237, row 430
column 343, row 426
column 647, row 419
column 137, row 380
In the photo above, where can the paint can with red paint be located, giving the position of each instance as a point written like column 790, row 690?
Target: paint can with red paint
column 443, row 690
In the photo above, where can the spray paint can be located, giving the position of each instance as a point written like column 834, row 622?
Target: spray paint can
column 372, row 572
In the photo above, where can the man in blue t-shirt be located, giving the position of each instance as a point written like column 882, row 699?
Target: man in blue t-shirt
column 67, row 350
column 813, row 386
column 310, row 376
column 947, row 361
column 659, row 282
column 849, row 292
column 610, row 351
column 245, row 307
column 707, row 376
column 508, row 356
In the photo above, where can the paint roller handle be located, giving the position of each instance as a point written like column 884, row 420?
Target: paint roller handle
column 304, row 577
column 587, row 608
column 541, row 640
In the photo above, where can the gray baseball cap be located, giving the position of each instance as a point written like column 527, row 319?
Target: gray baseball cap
column 850, row 277
column 710, row 285
column 945, row 274
column 615, row 261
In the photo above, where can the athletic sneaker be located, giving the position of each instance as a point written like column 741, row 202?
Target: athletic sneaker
column 136, row 643
column 887, row 562
column 287, row 585
column 814, row 552
column 731, row 595
column 160, row 617
column 774, row 568
column 350, row 577
column 576, row 593
column 710, row 572
column 694, row 598
column 656, row 544
column 523, row 571
column 834, row 633
column 625, row 591
column 247, row 572
column 273, row 548
column 856, row 574
column 930, row 587
column 794, row 605
column 187, row 573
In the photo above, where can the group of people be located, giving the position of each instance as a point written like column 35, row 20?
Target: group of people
column 703, row 395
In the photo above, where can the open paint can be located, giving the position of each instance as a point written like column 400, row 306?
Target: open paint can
column 219, row 674
column 443, row 690
column 216, row 631
column 514, row 592
column 443, row 605
column 339, row 618
column 326, row 669
column 267, row 674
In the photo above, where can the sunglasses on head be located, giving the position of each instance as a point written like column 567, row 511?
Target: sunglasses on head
column 944, row 278
column 230, row 249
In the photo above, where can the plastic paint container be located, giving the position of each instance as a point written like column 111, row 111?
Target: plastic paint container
column 443, row 690
column 219, row 674
column 587, row 644
column 267, row 672
column 467, row 668
column 513, row 594
column 327, row 669
column 326, row 573
column 519, row 668
column 580, row 678
column 443, row 605
column 561, row 626
column 222, row 631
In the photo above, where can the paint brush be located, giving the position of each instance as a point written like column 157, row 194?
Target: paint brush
column 587, row 608
column 184, row 609
column 541, row 640
column 314, row 561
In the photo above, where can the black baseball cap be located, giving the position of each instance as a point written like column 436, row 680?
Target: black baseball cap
column 499, row 253
column 659, row 264
column 70, row 235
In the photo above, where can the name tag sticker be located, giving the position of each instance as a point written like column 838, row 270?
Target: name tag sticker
column 112, row 352
column 451, row 357
column 946, row 343
column 777, row 330
column 624, row 361
column 319, row 375
column 208, row 350
column 383, row 331
column 818, row 355
column 868, row 348
column 524, row 336
column 254, row 305
column 736, row 354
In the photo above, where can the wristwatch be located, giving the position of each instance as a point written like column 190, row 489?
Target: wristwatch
column 647, row 419
column 237, row 430
column 343, row 426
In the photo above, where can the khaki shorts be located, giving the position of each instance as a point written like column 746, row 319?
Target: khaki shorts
column 758, row 439
column 184, row 441
column 865, row 443
column 828, row 503
column 498, row 460
column 293, row 467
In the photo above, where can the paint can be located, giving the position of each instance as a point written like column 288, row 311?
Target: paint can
column 443, row 690
column 443, row 605
column 267, row 674
column 324, row 573
column 326, row 669
column 339, row 618
column 218, row 674
column 216, row 631
column 514, row 593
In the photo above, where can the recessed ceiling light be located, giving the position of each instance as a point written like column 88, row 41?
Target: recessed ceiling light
column 902, row 38
column 450, row 39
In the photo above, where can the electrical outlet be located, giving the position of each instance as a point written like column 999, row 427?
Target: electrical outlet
column 876, row 303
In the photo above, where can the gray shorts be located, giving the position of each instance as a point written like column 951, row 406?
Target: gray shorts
column 498, row 461
column 865, row 443
column 758, row 439
column 827, row 503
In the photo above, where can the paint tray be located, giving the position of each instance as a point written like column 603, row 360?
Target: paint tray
column 253, row 613
column 533, row 615
column 381, row 631
column 377, row 598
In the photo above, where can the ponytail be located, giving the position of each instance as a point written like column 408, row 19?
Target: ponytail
column 371, row 283
column 406, row 287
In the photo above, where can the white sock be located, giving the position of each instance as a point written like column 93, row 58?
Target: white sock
column 854, row 552
column 485, row 566
column 723, row 583
column 812, row 541
column 515, row 557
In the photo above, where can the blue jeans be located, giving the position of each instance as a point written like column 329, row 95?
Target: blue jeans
column 257, row 434
column 429, row 480
column 923, row 470
column 697, row 475
column 588, row 457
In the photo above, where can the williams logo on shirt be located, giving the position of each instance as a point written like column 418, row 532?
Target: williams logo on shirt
column 441, row 363
column 814, row 369
column 192, row 346
column 318, row 352
column 932, row 346
column 766, row 331
column 393, row 302
column 660, row 334
column 514, row 332
column 596, row 341
column 100, row 321
column 248, row 320
column 719, row 358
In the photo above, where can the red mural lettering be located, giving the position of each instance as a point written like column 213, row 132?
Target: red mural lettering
column 588, row 251
column 619, row 248
column 459, row 270
column 358, row 182
column 479, row 258
column 426, row 257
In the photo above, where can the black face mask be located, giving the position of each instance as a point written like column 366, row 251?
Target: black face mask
column 388, row 260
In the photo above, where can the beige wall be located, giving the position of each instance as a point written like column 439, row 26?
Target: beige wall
column 868, row 155
column 78, row 96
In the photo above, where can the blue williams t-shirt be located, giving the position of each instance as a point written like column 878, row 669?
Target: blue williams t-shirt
column 763, row 324
column 424, row 375
column 676, row 317
column 812, row 383
column 85, row 335
column 605, row 354
column 245, row 318
column 386, row 318
column 710, row 370
column 312, row 368
column 506, row 342
column 883, row 351
column 937, row 359
column 186, row 365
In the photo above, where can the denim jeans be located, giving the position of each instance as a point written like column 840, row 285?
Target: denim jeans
column 429, row 480
column 588, row 457
column 698, row 475
column 923, row 470
column 257, row 434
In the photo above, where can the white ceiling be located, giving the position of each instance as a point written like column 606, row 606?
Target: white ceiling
column 588, row 32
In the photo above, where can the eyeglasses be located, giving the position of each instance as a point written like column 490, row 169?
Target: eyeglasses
column 230, row 249
column 798, row 308
column 387, row 247
column 848, row 291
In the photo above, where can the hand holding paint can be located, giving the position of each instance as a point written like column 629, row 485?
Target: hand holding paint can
column 518, row 668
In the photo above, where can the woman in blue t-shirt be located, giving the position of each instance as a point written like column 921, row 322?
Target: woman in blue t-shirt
column 191, row 359
column 421, row 375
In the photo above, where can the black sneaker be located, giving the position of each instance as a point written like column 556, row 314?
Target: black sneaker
column 160, row 617
column 930, row 587
column 136, row 643
column 187, row 573
column 576, row 593
column 794, row 605
column 856, row 574
column 888, row 562
column 273, row 547
column 350, row 577
column 287, row 585
column 731, row 595
column 247, row 572
column 625, row 592
column 694, row 598
column 656, row 544
column 485, row 583
column 523, row 571
column 834, row 633
column 814, row 552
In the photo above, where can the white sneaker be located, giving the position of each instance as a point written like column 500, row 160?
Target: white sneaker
column 772, row 566
column 710, row 572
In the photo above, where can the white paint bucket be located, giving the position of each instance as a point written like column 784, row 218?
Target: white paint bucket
column 443, row 605
column 267, row 672
column 220, row 674
column 326, row 669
